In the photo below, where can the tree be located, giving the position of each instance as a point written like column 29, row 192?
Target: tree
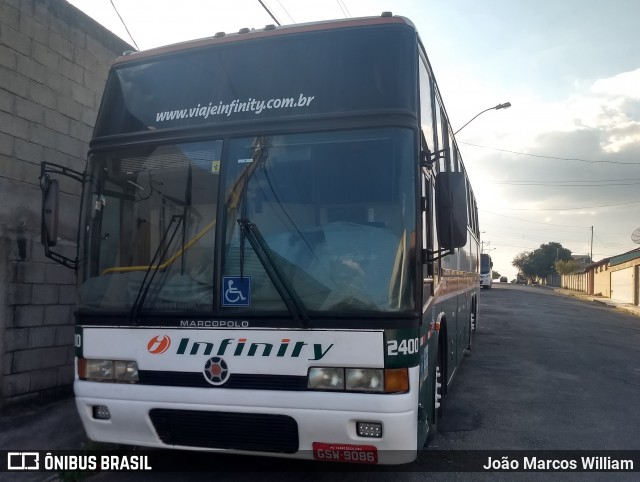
column 524, row 265
column 541, row 262
column 495, row 275
column 567, row 267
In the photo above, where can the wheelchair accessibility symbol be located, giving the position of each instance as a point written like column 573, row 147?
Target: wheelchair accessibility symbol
column 236, row 291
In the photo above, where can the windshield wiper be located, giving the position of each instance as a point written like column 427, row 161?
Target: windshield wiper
column 282, row 285
column 237, row 201
column 185, row 212
column 157, row 259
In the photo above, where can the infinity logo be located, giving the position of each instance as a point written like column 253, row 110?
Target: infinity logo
column 158, row 344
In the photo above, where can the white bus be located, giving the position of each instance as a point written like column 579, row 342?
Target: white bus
column 278, row 246
column 486, row 271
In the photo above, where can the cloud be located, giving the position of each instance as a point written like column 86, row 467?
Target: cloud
column 621, row 85
column 598, row 121
column 612, row 105
column 609, row 106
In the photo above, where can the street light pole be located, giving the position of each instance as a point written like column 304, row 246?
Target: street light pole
column 506, row 105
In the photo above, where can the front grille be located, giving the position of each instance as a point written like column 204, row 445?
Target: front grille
column 226, row 430
column 236, row 380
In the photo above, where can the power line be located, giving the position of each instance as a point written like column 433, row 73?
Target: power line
column 343, row 7
column 269, row 12
column 577, row 159
column 511, row 246
column 568, row 180
column 286, row 11
column 596, row 183
column 522, row 237
column 125, row 25
column 569, row 209
column 534, row 222
column 610, row 245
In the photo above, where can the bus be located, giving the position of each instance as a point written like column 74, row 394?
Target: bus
column 277, row 246
column 486, row 274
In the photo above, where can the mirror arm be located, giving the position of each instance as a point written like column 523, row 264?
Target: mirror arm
column 427, row 158
column 47, row 168
column 431, row 256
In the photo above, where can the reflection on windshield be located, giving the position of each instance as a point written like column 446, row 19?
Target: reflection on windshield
column 334, row 210
column 142, row 204
column 334, row 215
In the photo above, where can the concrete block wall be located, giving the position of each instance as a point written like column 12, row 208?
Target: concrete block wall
column 53, row 65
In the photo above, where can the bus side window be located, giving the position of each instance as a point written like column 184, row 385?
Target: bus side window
column 429, row 236
column 446, row 141
column 426, row 107
column 457, row 160
column 429, row 123
column 441, row 164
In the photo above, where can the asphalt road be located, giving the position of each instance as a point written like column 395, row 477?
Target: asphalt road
column 546, row 372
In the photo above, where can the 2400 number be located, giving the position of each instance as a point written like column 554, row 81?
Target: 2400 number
column 406, row 347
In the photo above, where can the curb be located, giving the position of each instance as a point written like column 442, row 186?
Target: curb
column 632, row 310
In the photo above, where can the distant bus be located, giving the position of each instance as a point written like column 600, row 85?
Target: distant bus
column 278, row 246
column 486, row 265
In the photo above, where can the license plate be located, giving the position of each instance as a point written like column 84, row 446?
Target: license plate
column 359, row 454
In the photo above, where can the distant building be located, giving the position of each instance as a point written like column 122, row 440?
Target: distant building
column 625, row 276
column 600, row 278
column 583, row 260
column 617, row 277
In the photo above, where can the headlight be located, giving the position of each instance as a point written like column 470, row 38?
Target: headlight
column 365, row 379
column 376, row 380
column 119, row 371
column 98, row 370
column 126, row 371
column 321, row 378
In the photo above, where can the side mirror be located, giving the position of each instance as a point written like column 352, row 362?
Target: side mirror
column 451, row 209
column 50, row 210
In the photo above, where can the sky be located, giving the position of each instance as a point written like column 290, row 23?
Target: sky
column 563, row 159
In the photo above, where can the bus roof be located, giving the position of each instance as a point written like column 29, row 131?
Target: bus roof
column 269, row 31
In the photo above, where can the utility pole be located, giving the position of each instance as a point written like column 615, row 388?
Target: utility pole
column 591, row 255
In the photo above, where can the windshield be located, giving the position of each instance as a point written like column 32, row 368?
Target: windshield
column 327, row 223
column 485, row 263
column 151, row 213
column 336, row 217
